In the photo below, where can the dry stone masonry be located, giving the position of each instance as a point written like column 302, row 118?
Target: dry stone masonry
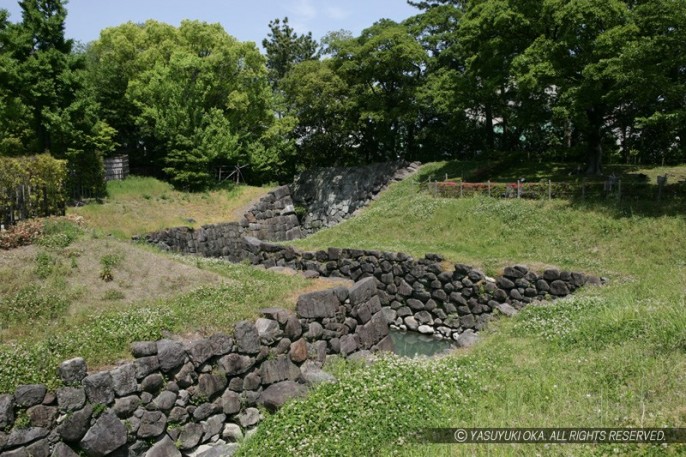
column 331, row 195
column 273, row 218
column 197, row 398
column 421, row 295
column 200, row 398
column 328, row 196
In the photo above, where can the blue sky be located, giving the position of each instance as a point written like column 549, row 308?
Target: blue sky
column 246, row 20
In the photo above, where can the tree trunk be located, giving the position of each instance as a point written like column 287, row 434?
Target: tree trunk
column 490, row 141
column 594, row 145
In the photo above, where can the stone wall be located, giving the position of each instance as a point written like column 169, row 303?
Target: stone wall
column 422, row 294
column 273, row 218
column 425, row 294
column 192, row 398
column 331, row 195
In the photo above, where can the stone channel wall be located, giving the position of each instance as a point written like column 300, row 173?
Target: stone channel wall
column 331, row 195
column 195, row 398
column 273, row 218
column 328, row 195
column 425, row 294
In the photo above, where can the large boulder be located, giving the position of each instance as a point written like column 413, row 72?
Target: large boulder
column 209, row 384
column 235, row 364
column 124, row 379
column 6, row 411
column 107, row 435
column 274, row 396
column 164, row 448
column 318, row 305
column 75, row 425
column 190, row 436
column 279, row 369
column 559, row 288
column 200, row 351
column 23, row 436
column 247, row 337
column 72, row 371
column 171, row 355
column 268, row 330
column 362, row 291
column 153, row 424
column 30, row 395
column 99, row 388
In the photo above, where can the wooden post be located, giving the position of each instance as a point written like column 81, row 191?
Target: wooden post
column 661, row 181
column 519, row 188
column 583, row 188
column 461, row 190
column 550, row 190
column 619, row 189
column 489, row 187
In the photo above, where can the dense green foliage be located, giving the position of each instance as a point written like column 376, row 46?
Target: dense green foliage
column 594, row 81
column 46, row 104
column 185, row 100
column 285, row 48
column 31, row 186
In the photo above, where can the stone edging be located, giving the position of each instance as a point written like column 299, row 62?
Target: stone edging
column 196, row 398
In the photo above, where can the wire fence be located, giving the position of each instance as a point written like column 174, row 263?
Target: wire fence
column 611, row 188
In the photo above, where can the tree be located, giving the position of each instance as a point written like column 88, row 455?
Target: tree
column 563, row 63
column 384, row 67
column 650, row 83
column 184, row 100
column 323, row 105
column 45, row 101
column 285, row 48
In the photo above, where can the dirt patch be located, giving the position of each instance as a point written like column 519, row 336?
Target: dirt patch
column 137, row 275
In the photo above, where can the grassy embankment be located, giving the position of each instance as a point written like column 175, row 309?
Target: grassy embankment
column 608, row 357
column 140, row 205
column 78, row 292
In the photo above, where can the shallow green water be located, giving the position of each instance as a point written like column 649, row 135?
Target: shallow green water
column 413, row 344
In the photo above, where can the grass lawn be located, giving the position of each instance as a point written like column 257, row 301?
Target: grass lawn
column 607, row 357
column 80, row 292
column 57, row 302
column 140, row 205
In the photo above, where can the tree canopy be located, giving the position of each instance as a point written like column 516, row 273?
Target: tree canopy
column 582, row 80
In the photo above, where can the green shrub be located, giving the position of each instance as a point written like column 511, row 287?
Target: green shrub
column 45, row 265
column 36, row 182
column 59, row 234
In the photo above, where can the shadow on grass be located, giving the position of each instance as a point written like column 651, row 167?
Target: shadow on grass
column 639, row 195
column 633, row 207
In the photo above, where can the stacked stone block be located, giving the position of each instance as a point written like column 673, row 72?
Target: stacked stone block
column 194, row 398
column 331, row 195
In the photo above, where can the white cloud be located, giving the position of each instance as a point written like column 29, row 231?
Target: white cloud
column 302, row 10
column 300, row 14
column 337, row 13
